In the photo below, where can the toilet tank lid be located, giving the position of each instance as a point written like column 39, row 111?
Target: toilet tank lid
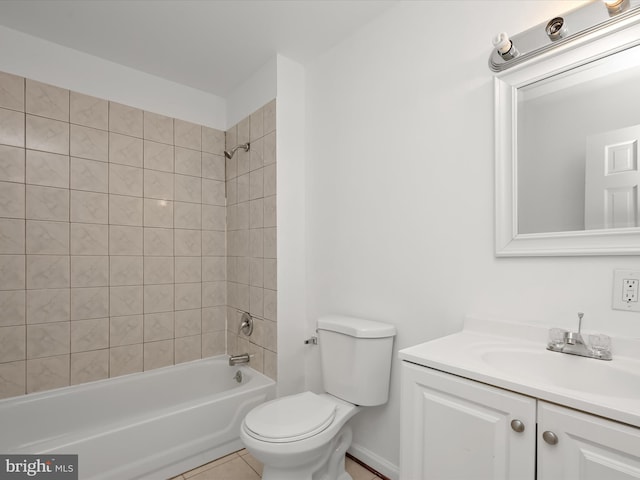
column 356, row 327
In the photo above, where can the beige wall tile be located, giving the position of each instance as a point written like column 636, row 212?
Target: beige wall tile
column 188, row 323
column 48, row 271
column 270, row 246
column 48, row 169
column 256, row 213
column 89, row 111
column 213, row 192
column 213, row 294
column 125, row 210
column 12, row 236
column 12, row 308
column 89, row 207
column 158, row 128
column 89, row 302
column 47, row 373
column 13, row 379
column 12, row 203
column 188, row 243
column 12, row 130
column 159, row 270
column 12, row 164
column 213, row 269
column 46, row 134
column 213, row 243
column 270, row 305
column 158, row 298
column 158, row 213
column 90, row 271
column 187, row 134
column 213, row 343
column 269, row 117
column 12, row 343
column 158, row 354
column 125, row 359
column 213, row 166
column 87, row 239
column 44, row 237
column 89, row 143
column 269, row 149
column 126, row 270
column 188, row 162
column 125, row 300
column 12, row 272
column 89, row 366
column 125, row 150
column 158, row 326
column 47, row 339
column 188, row 189
column 124, row 119
column 158, row 241
column 256, row 154
column 270, row 216
column 127, row 330
column 187, row 215
column 188, row 296
column 47, row 203
column 46, row 100
column 271, row 364
column 158, row 156
column 188, row 269
column 49, row 305
column 89, row 175
column 213, row 218
column 270, row 336
column 158, row 185
column 125, row 240
column 89, row 335
column 125, row 180
column 188, row 349
column 214, row 319
column 256, row 125
column 256, row 301
column 212, row 141
column 11, row 91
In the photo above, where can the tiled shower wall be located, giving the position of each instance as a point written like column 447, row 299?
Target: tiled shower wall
column 112, row 239
column 251, row 238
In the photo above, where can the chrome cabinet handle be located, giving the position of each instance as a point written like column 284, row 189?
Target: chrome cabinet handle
column 517, row 426
column 550, row 437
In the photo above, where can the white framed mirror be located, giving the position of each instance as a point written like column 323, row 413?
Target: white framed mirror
column 567, row 129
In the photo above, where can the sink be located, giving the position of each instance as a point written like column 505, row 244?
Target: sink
column 570, row 372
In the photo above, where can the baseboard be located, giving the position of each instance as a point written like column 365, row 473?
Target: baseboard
column 374, row 461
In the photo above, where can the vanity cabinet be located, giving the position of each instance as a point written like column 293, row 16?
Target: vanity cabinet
column 455, row 428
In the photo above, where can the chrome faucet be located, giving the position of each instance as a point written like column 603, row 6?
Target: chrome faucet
column 573, row 343
column 238, row 359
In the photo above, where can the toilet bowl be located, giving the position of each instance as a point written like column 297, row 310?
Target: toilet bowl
column 300, row 437
column 305, row 436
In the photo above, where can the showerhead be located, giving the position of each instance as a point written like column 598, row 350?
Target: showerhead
column 229, row 153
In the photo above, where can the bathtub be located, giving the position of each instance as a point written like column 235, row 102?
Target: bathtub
column 150, row 425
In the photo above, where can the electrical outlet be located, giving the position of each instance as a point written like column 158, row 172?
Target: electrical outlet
column 626, row 285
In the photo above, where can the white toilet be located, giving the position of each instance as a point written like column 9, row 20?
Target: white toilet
column 305, row 436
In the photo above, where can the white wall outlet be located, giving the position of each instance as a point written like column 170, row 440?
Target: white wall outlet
column 626, row 290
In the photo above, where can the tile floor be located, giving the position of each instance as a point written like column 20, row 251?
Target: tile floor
column 242, row 466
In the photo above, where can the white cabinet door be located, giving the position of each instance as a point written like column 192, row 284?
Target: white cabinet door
column 453, row 428
column 587, row 448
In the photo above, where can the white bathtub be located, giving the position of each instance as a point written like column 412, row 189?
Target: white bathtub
column 150, row 425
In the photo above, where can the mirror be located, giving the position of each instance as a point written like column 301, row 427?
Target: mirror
column 567, row 139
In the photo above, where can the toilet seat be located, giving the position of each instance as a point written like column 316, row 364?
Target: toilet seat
column 291, row 418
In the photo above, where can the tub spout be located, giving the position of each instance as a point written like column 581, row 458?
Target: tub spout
column 237, row 359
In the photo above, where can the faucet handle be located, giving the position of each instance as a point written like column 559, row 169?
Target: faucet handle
column 580, row 315
column 600, row 345
column 556, row 338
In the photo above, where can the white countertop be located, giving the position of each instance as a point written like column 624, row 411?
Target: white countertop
column 513, row 356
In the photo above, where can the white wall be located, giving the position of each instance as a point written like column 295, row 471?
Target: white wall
column 256, row 91
column 64, row 67
column 400, row 193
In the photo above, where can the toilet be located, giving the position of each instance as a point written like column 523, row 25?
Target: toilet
column 305, row 436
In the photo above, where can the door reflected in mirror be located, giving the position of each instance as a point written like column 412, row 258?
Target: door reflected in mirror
column 577, row 141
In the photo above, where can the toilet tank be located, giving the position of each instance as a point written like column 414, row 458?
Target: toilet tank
column 356, row 358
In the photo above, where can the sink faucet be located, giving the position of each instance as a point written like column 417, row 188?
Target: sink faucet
column 573, row 343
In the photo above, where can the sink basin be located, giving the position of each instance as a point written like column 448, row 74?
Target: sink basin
column 595, row 377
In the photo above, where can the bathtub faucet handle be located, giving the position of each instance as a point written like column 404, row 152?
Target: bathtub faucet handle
column 246, row 324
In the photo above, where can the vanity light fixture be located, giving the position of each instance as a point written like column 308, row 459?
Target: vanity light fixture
column 616, row 6
column 572, row 26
